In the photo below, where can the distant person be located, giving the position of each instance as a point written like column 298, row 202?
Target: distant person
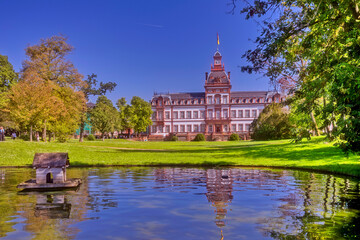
column 2, row 134
column 37, row 137
column 13, row 135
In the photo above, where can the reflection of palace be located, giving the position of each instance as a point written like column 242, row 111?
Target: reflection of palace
column 219, row 192
column 219, row 185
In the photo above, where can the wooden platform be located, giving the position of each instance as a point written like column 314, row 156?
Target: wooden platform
column 31, row 185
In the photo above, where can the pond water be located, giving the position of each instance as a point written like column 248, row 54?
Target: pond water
column 183, row 203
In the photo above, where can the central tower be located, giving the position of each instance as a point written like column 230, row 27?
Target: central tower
column 217, row 96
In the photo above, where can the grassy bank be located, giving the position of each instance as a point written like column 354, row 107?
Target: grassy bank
column 314, row 154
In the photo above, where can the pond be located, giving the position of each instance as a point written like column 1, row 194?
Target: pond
column 183, row 203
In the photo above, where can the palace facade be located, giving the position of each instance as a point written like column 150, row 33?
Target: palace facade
column 217, row 112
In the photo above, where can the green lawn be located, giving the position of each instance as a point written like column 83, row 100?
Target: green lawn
column 315, row 154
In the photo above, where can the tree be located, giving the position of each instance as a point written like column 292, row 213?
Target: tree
column 126, row 115
column 324, row 34
column 8, row 77
column 141, row 114
column 104, row 116
column 272, row 123
column 90, row 89
column 7, row 74
column 47, row 66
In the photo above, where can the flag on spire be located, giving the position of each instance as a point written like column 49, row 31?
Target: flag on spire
column 218, row 41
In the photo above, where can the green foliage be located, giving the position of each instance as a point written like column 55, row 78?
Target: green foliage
column 311, row 49
column 199, row 137
column 234, row 137
column 24, row 137
column 8, row 76
column 62, row 137
column 104, row 116
column 141, row 114
column 90, row 137
column 174, row 138
column 272, row 123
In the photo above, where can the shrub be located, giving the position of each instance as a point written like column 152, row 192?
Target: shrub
column 234, row 137
column 273, row 123
column 25, row 137
column 199, row 137
column 174, row 138
column 90, row 137
column 62, row 137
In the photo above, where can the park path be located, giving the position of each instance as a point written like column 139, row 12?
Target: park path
column 134, row 149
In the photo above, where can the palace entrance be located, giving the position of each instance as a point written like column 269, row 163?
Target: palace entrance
column 218, row 128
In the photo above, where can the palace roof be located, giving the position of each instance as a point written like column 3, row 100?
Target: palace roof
column 218, row 77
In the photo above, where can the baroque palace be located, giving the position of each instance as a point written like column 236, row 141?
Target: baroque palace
column 217, row 112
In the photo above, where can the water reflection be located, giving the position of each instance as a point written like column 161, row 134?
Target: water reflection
column 186, row 203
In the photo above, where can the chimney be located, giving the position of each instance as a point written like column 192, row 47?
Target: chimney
column 206, row 76
column 229, row 75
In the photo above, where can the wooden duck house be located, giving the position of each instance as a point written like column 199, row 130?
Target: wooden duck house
column 50, row 172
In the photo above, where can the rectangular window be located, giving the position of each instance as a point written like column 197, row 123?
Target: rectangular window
column 226, row 129
column 154, row 129
column 247, row 127
column 154, row 116
column 167, row 115
column 161, row 129
column 210, row 128
column 175, row 115
column 182, row 128
column 247, row 113
column 233, row 113
column 254, row 113
column 182, row 114
column 233, row 127
column 188, row 114
column 225, row 113
column 160, row 115
column 202, row 114
column 202, row 127
column 210, row 114
column 217, row 100
column 217, row 114
column 176, row 128
column 241, row 127
column 196, row 114
column 225, row 99
column 167, row 128
column 209, row 100
column 196, row 128
column 240, row 114
column 188, row 128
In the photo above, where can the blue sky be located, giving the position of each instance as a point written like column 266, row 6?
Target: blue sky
column 143, row 46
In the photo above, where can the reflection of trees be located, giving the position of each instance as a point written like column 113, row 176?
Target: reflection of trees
column 50, row 215
column 315, row 210
column 8, row 199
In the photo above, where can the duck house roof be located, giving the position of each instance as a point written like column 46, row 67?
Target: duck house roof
column 44, row 160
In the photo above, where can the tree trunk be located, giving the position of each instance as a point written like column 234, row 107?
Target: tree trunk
column 82, row 127
column 50, row 136
column 54, row 137
column 31, row 133
column 315, row 124
column 44, row 132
